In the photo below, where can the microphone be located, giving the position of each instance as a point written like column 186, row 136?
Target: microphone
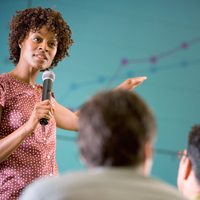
column 48, row 77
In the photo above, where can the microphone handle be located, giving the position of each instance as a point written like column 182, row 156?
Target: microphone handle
column 47, row 85
column 46, row 93
column 43, row 122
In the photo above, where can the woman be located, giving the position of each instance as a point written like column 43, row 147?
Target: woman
column 39, row 38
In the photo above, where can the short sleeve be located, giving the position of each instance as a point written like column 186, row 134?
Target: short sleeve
column 2, row 93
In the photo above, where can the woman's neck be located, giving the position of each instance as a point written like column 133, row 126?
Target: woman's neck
column 27, row 76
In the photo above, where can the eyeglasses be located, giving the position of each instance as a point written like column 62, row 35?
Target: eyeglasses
column 171, row 153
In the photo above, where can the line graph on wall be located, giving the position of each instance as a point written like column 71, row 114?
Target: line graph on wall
column 154, row 64
column 181, row 57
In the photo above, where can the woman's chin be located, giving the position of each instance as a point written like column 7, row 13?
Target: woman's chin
column 40, row 67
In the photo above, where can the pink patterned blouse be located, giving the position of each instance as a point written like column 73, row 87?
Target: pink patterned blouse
column 35, row 157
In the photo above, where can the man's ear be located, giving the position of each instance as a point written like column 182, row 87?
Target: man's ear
column 187, row 169
column 148, row 150
column 148, row 154
column 184, row 171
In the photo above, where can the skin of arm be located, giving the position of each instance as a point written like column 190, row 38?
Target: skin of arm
column 128, row 84
column 65, row 118
column 11, row 142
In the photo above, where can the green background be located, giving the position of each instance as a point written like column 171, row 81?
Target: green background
column 117, row 39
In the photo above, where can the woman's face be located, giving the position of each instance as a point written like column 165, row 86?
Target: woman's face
column 38, row 49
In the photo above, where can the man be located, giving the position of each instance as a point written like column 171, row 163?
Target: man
column 116, row 135
column 189, row 167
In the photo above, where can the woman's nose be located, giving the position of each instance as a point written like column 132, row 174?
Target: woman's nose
column 43, row 46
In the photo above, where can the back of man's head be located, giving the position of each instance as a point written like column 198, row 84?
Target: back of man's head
column 193, row 150
column 188, row 179
column 114, row 127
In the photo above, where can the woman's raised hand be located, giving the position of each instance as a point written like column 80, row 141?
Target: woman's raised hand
column 131, row 83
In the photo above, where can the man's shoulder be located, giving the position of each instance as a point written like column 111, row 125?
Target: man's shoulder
column 109, row 183
column 163, row 188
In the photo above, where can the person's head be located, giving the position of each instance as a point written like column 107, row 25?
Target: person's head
column 116, row 129
column 189, row 168
column 41, row 26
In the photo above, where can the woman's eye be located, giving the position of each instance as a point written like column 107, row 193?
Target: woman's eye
column 52, row 44
column 37, row 39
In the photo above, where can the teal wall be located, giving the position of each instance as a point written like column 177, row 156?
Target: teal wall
column 117, row 39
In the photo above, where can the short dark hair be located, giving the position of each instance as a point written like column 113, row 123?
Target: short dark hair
column 113, row 128
column 194, row 150
column 32, row 19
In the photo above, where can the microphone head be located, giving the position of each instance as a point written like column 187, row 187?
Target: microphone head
column 48, row 75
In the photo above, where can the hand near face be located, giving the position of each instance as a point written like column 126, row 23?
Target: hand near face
column 131, row 83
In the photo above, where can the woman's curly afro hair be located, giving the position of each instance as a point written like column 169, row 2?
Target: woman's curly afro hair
column 32, row 19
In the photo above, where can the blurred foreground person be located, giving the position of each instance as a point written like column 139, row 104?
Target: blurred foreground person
column 116, row 135
column 189, row 167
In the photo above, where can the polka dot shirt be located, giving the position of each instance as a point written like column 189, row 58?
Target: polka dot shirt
column 35, row 157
